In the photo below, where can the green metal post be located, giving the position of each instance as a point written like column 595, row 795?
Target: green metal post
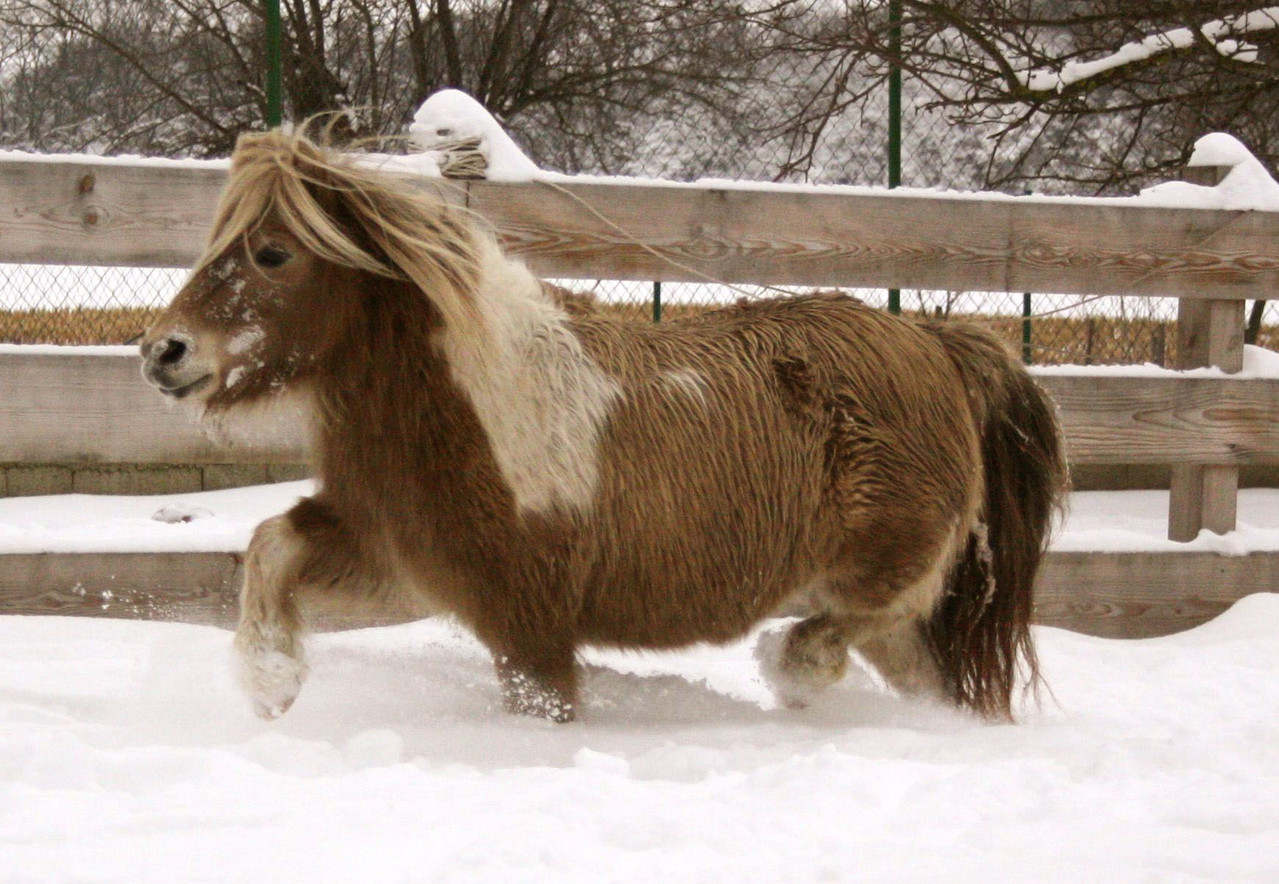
column 657, row 301
column 894, row 117
column 1026, row 355
column 274, row 63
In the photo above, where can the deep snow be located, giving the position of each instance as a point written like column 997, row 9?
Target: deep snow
column 223, row 521
column 126, row 755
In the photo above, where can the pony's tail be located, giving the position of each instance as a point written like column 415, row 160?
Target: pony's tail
column 980, row 631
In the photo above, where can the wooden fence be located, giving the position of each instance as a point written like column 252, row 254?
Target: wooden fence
column 58, row 407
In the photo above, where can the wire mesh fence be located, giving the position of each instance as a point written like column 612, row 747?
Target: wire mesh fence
column 1046, row 329
column 101, row 305
column 68, row 304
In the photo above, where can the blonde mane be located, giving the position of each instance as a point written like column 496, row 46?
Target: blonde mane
column 281, row 176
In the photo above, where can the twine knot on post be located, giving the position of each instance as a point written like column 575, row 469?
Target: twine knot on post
column 461, row 158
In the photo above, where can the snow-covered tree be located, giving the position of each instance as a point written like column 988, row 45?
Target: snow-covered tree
column 1104, row 94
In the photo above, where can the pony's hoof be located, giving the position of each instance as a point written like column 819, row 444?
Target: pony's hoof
column 526, row 695
column 273, row 681
column 770, row 652
column 547, row 705
column 267, row 712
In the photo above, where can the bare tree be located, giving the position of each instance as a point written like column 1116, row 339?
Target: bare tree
column 1104, row 94
column 579, row 81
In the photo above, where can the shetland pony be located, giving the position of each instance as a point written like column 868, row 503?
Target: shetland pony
column 492, row 448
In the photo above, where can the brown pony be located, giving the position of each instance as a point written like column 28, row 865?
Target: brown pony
column 552, row 476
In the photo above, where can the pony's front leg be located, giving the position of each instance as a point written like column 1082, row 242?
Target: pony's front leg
column 268, row 640
column 541, row 682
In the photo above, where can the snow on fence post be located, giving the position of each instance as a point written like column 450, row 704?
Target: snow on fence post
column 1209, row 333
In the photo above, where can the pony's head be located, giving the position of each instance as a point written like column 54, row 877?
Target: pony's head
column 301, row 238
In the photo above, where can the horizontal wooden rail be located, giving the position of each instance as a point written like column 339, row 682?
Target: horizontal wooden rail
column 1158, row 420
column 71, row 408
column 791, row 236
column 1118, row 595
column 95, row 408
column 109, row 213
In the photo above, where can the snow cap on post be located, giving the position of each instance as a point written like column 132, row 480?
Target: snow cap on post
column 468, row 141
column 1247, row 186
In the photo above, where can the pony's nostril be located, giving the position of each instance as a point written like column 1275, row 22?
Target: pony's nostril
column 170, row 351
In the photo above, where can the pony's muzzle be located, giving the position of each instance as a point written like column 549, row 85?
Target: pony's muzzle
column 169, row 366
column 169, row 351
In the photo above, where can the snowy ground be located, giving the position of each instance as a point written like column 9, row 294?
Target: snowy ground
column 128, row 755
column 220, row 521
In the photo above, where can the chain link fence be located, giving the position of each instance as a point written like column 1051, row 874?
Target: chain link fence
column 97, row 305
column 51, row 304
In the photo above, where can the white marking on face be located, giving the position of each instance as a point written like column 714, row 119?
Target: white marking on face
column 222, row 270
column 541, row 399
column 245, row 340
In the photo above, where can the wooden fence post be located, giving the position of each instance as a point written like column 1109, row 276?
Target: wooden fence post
column 1209, row 333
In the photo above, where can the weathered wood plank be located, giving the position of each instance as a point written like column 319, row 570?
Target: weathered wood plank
column 1118, row 595
column 1220, row 497
column 1220, row 482
column 1132, row 420
column 104, row 213
column 1209, row 333
column 96, row 213
column 1186, row 501
column 87, row 408
column 158, row 215
column 82, row 408
column 745, row 234
column 1138, row 595
column 188, row 587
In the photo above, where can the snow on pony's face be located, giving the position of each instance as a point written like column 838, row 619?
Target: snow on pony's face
column 246, row 324
column 303, row 241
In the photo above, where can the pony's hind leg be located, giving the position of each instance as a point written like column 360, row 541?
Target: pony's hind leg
column 905, row 660
column 268, row 638
column 810, row 656
column 884, row 624
column 813, row 655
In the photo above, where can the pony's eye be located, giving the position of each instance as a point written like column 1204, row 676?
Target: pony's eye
column 270, row 257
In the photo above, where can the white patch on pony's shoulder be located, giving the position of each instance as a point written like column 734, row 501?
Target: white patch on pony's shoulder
column 540, row 397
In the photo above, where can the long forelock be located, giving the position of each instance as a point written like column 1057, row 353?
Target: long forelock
column 277, row 175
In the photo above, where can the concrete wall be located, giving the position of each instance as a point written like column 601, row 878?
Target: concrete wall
column 24, row 480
